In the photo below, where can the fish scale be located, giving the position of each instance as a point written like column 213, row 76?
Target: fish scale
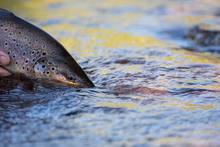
column 37, row 55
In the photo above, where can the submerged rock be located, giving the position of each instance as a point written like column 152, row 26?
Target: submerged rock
column 204, row 35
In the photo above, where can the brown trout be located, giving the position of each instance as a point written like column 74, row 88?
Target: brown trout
column 36, row 55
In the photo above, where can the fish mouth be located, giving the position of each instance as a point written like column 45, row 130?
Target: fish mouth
column 69, row 83
column 62, row 80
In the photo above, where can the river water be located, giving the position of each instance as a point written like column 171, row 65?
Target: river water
column 151, row 89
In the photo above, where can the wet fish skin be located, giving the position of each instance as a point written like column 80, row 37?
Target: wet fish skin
column 36, row 54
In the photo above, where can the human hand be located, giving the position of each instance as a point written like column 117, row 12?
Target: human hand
column 4, row 60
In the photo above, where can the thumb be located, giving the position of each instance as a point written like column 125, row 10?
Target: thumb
column 4, row 73
column 4, row 58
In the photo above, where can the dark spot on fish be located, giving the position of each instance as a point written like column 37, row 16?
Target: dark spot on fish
column 52, row 68
column 14, row 40
column 13, row 56
column 70, row 78
column 32, row 52
column 6, row 30
column 26, row 61
column 48, row 72
column 17, row 45
column 24, row 53
column 27, row 69
column 16, row 62
column 1, row 25
column 23, row 67
column 43, row 66
column 10, row 34
column 19, row 32
column 29, row 43
column 43, row 53
column 38, row 52
column 9, row 52
column 6, row 44
column 25, row 38
column 49, row 63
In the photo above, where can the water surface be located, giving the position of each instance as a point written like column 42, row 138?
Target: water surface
column 150, row 90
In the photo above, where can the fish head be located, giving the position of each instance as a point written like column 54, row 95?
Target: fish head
column 52, row 69
column 21, row 39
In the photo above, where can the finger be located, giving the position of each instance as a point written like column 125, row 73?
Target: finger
column 4, row 58
column 4, row 73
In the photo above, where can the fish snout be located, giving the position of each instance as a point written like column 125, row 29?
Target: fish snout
column 72, row 81
column 53, row 69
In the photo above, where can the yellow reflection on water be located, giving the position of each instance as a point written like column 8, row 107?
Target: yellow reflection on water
column 117, row 105
column 181, row 56
column 187, row 105
column 179, row 141
column 117, row 40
